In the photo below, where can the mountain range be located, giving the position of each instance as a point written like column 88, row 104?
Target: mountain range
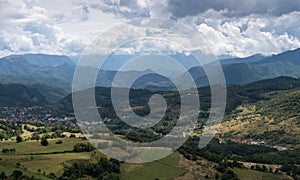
column 57, row 71
column 254, row 68
column 257, row 85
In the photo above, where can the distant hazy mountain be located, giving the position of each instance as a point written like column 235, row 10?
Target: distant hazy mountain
column 52, row 76
column 47, row 60
column 57, row 71
column 41, row 60
column 254, row 68
column 250, row 59
column 51, row 70
column 244, row 70
column 292, row 56
column 115, row 61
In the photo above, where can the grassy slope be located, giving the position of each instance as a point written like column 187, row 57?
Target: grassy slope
column 34, row 147
column 163, row 169
column 32, row 156
column 275, row 120
column 258, row 175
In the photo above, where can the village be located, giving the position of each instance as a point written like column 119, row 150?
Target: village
column 259, row 142
column 38, row 114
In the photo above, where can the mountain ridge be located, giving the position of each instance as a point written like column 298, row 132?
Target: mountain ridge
column 60, row 73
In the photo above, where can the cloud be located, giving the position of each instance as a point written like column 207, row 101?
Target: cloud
column 132, row 8
column 247, row 35
column 233, row 8
column 27, row 28
column 181, row 8
column 235, row 27
column 67, row 27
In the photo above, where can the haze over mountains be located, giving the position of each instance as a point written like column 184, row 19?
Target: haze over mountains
column 57, row 71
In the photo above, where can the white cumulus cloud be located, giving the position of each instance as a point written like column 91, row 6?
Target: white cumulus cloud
column 68, row 26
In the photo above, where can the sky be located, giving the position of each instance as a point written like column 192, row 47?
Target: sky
column 231, row 27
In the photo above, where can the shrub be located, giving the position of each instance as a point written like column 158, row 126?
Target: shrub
column 44, row 142
column 59, row 142
column 19, row 139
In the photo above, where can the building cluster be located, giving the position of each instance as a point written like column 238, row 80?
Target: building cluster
column 34, row 114
column 248, row 141
column 253, row 142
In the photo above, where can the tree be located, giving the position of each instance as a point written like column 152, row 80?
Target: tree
column 51, row 175
column 3, row 176
column 217, row 176
column 110, row 176
column 44, row 142
column 18, row 164
column 59, row 142
column 270, row 169
column 81, row 147
column 103, row 169
column 78, row 148
column 16, row 174
column 264, row 168
column 19, row 139
column 229, row 175
column 35, row 136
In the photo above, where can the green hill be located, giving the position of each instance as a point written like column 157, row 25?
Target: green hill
column 52, row 94
column 31, row 95
column 20, row 95
column 267, row 110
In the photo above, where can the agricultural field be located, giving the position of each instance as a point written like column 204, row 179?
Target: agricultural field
column 166, row 168
column 34, row 159
column 257, row 175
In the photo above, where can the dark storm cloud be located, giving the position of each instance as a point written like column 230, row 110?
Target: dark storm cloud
column 182, row 8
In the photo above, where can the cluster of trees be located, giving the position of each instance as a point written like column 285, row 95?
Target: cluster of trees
column 44, row 141
column 55, row 134
column 46, row 127
column 12, row 129
column 27, row 128
column 19, row 139
column 17, row 174
column 191, row 150
column 291, row 169
column 82, row 147
column 277, row 157
column 5, row 150
column 9, row 130
column 225, row 167
column 225, row 164
column 59, row 142
column 141, row 135
column 216, row 152
column 104, row 169
column 229, row 174
column 35, row 136
column 220, row 152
